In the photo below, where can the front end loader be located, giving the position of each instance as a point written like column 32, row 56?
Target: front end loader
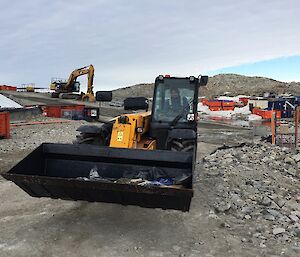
column 144, row 158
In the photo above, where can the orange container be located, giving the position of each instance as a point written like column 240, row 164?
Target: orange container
column 228, row 108
column 204, row 101
column 228, row 104
column 266, row 114
column 4, row 124
column 215, row 108
column 214, row 103
column 256, row 111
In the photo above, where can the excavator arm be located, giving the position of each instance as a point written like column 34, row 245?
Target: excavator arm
column 89, row 70
column 79, row 72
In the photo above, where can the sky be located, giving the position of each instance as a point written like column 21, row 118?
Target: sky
column 285, row 69
column 131, row 42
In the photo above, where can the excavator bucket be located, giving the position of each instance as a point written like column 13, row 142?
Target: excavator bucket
column 63, row 171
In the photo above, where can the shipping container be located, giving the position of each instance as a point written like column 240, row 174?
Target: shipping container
column 91, row 113
column 286, row 114
column 8, row 88
column 215, row 108
column 71, row 114
column 244, row 100
column 276, row 105
column 4, row 125
column 228, row 108
column 56, row 111
column 214, row 103
column 227, row 103
column 204, row 101
column 266, row 114
column 262, row 104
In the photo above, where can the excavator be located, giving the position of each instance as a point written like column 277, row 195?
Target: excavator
column 145, row 158
column 66, row 89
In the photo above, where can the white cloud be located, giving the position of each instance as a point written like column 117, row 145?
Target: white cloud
column 133, row 41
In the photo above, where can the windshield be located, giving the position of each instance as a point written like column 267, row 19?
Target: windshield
column 173, row 97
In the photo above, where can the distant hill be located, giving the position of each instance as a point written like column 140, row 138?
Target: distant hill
column 145, row 90
column 219, row 84
column 239, row 84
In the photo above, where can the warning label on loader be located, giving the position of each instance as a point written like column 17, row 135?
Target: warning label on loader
column 120, row 136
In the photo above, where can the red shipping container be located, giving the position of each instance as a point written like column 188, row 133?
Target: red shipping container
column 10, row 88
column 73, row 107
column 244, row 100
column 4, row 124
column 55, row 110
column 52, row 111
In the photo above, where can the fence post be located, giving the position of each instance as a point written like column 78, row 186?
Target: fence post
column 273, row 127
column 296, row 125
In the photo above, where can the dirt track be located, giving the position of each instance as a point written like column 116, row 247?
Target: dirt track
column 25, row 98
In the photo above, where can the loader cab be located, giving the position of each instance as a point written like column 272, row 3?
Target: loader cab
column 174, row 109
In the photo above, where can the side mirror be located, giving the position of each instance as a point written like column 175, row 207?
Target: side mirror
column 103, row 96
column 203, row 81
column 136, row 103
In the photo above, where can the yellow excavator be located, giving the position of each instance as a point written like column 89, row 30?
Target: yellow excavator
column 66, row 89
column 143, row 158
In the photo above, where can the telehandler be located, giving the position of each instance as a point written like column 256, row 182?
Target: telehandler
column 144, row 158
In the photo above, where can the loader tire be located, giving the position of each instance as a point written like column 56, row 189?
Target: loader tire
column 182, row 145
column 90, row 139
column 102, row 138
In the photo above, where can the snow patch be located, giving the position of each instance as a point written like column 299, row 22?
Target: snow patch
column 8, row 103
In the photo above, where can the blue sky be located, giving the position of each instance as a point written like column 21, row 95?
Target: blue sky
column 131, row 42
column 283, row 69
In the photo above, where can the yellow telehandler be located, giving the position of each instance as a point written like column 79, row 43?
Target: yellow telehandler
column 143, row 158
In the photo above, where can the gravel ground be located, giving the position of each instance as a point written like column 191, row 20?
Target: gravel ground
column 28, row 137
column 246, row 203
column 24, row 139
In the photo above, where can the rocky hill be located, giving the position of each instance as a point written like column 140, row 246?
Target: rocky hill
column 135, row 90
column 238, row 84
column 219, row 84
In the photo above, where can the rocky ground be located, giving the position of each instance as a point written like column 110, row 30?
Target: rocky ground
column 257, row 194
column 246, row 203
